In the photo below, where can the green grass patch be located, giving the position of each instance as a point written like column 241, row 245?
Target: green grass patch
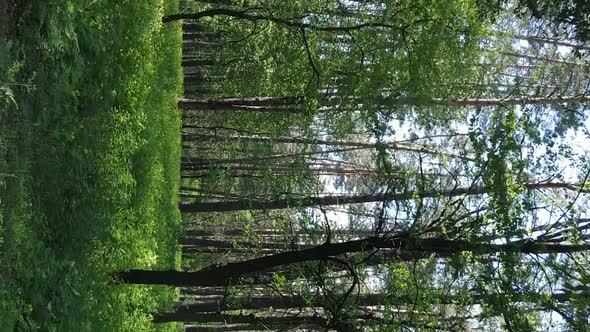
column 89, row 155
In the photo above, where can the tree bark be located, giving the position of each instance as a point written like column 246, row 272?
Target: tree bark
column 202, row 36
column 260, row 104
column 302, row 140
column 481, row 102
column 202, row 291
column 223, row 275
column 188, row 250
column 231, row 232
column 314, row 170
column 289, row 321
column 213, row 161
column 270, row 234
column 197, row 242
column 211, row 311
column 222, row 328
column 238, row 205
column 192, row 27
column 292, row 24
column 197, row 63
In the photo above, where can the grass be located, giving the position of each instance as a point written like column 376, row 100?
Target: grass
column 89, row 154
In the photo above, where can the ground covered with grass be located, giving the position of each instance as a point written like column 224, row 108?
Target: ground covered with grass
column 89, row 155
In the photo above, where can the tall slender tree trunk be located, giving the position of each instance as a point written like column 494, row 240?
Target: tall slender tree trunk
column 239, row 205
column 253, row 159
column 192, row 27
column 222, row 328
column 314, row 170
column 341, row 143
column 259, row 104
column 198, row 242
column 273, row 233
column 222, row 275
column 198, row 62
column 481, row 102
column 286, row 23
column 293, row 104
column 202, row 291
column 210, row 311
column 188, row 250
column 261, row 321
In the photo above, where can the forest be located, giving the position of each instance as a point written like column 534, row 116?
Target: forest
column 295, row 165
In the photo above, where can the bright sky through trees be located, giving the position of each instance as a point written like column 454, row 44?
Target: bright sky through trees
column 328, row 165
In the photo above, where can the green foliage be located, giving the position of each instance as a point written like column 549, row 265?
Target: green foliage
column 91, row 159
column 566, row 15
column 436, row 66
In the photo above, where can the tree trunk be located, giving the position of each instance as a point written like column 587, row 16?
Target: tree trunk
column 272, row 233
column 202, row 291
column 314, row 170
column 218, row 2
column 213, row 161
column 227, row 232
column 202, row 36
column 244, row 303
column 260, row 104
column 222, row 328
column 287, row 23
column 188, row 250
column 341, row 143
column 192, row 27
column 210, row 311
column 289, row 321
column 197, row 63
column 223, row 275
column 477, row 102
column 197, row 242
column 238, row 205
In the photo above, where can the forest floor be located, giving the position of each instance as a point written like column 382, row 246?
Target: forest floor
column 89, row 155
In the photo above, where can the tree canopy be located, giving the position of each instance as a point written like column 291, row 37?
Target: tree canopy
column 383, row 165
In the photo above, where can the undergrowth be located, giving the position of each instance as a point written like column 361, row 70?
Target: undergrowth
column 89, row 155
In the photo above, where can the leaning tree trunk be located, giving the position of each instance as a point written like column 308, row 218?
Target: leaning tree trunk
column 226, row 274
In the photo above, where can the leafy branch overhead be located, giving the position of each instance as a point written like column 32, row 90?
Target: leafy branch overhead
column 380, row 165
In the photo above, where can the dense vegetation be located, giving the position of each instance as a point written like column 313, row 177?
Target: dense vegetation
column 344, row 166
column 89, row 151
